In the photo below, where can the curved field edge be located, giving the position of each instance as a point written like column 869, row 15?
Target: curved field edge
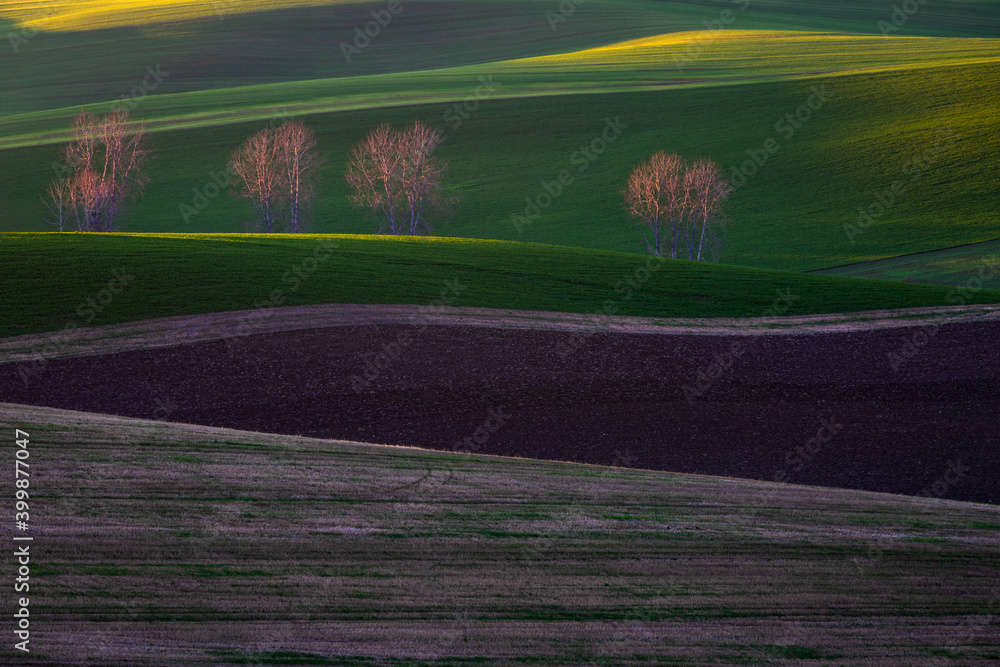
column 188, row 329
column 539, row 555
column 56, row 281
column 970, row 265
column 654, row 63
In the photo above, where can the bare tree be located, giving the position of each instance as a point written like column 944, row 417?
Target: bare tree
column 260, row 175
column 706, row 191
column 295, row 149
column 678, row 204
column 420, row 175
column 651, row 196
column 59, row 199
column 395, row 175
column 125, row 155
column 103, row 167
column 276, row 170
column 373, row 174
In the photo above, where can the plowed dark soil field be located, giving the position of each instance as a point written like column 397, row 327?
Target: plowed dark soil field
column 823, row 409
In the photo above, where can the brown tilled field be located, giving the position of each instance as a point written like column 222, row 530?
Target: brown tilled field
column 831, row 409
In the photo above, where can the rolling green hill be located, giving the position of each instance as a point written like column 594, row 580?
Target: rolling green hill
column 90, row 51
column 790, row 214
column 55, row 280
column 947, row 17
column 58, row 69
column 511, row 102
column 674, row 60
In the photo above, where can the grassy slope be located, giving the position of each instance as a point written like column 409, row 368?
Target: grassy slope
column 947, row 17
column 966, row 265
column 96, row 14
column 49, row 279
column 57, row 69
column 680, row 59
column 156, row 534
column 790, row 215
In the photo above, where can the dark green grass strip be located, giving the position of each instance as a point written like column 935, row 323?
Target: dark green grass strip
column 54, row 280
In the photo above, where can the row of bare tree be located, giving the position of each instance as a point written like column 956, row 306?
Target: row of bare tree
column 392, row 173
column 679, row 206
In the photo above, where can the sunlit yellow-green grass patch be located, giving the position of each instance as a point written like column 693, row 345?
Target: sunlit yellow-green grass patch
column 755, row 53
column 94, row 14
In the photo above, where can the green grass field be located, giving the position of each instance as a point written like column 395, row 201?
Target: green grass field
column 890, row 96
column 55, row 70
column 52, row 280
column 681, row 59
column 961, row 17
column 77, row 60
column 791, row 214
column 215, row 546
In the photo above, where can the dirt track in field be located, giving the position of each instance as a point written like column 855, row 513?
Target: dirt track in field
column 812, row 408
